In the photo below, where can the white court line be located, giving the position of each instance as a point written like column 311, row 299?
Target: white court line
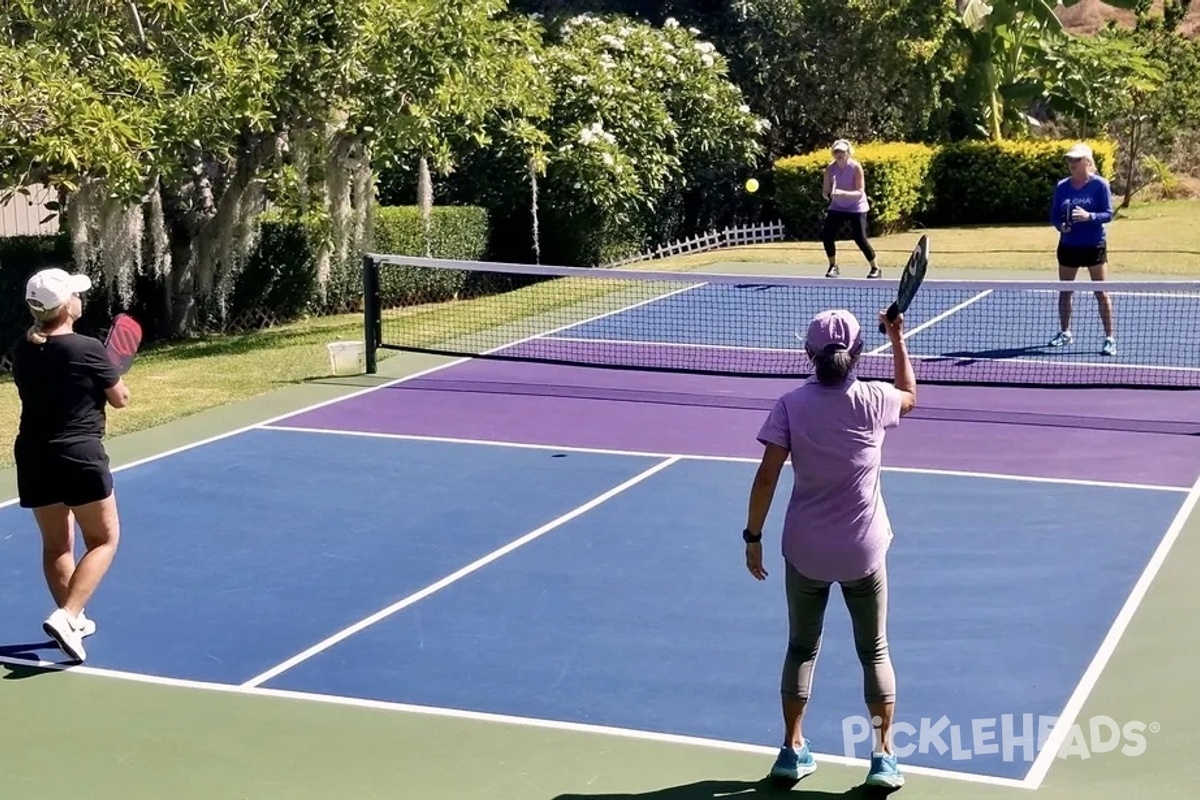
column 482, row 716
column 679, row 345
column 1041, row 765
column 999, row 476
column 933, row 320
column 345, row 397
column 474, row 566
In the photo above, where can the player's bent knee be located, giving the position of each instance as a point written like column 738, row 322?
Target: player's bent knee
column 99, row 522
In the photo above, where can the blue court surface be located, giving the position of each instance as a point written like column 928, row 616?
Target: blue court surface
column 627, row 605
column 976, row 322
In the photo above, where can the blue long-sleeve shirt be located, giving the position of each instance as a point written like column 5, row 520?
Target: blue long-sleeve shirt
column 1095, row 197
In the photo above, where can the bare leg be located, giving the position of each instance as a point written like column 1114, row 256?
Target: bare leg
column 1064, row 298
column 1103, row 301
column 58, row 548
column 101, row 529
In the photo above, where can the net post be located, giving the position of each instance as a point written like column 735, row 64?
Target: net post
column 372, row 312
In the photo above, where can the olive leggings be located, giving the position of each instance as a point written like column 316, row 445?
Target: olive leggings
column 866, row 600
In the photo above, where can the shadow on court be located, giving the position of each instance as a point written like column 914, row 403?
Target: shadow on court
column 715, row 789
column 11, row 656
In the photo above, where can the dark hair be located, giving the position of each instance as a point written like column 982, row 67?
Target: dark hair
column 834, row 364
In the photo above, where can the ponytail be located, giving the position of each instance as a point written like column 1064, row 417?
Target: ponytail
column 36, row 334
column 42, row 319
column 834, row 365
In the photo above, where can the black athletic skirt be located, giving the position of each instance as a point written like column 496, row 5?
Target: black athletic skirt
column 74, row 473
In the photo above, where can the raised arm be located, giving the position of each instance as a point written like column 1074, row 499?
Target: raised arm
column 906, row 379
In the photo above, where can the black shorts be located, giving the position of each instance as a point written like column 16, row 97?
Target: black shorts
column 73, row 474
column 1080, row 257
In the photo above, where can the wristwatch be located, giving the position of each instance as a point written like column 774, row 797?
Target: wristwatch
column 749, row 537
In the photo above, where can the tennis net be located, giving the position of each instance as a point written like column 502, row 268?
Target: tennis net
column 988, row 332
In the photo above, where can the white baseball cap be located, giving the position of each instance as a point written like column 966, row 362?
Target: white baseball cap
column 1079, row 150
column 51, row 288
column 841, row 144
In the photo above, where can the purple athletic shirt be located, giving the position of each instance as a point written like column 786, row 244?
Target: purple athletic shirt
column 836, row 527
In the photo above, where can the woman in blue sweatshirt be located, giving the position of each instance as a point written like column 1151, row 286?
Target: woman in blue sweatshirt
column 1082, row 207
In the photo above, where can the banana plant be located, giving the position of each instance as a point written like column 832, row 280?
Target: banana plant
column 1007, row 43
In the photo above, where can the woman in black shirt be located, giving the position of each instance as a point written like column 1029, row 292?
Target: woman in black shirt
column 65, row 380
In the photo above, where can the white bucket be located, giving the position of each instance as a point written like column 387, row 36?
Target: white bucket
column 346, row 358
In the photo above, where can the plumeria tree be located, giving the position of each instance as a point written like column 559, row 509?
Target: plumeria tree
column 640, row 124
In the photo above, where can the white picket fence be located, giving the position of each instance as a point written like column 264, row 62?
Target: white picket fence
column 713, row 240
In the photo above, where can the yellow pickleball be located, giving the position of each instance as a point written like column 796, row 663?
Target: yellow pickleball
column 752, row 185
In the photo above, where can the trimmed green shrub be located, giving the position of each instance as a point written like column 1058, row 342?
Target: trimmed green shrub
column 897, row 181
column 455, row 232
column 279, row 279
column 996, row 183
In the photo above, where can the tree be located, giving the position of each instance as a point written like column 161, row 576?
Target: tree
column 635, row 128
column 823, row 69
column 170, row 125
column 1009, row 44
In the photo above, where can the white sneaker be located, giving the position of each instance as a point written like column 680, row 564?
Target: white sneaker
column 86, row 626
column 67, row 632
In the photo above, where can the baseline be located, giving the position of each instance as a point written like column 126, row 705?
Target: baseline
column 480, row 716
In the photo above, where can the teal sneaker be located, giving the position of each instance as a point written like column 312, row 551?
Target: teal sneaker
column 885, row 771
column 1062, row 339
column 794, row 764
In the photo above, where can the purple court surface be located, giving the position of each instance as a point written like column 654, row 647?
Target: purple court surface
column 1119, row 435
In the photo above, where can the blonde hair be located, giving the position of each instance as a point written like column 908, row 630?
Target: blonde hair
column 42, row 319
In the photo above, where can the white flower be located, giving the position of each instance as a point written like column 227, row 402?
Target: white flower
column 608, row 159
column 612, row 41
column 671, row 23
column 705, row 47
column 745, row 109
column 707, row 59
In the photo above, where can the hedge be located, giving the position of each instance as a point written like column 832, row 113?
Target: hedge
column 954, row 184
column 897, row 179
column 456, row 232
column 1002, row 182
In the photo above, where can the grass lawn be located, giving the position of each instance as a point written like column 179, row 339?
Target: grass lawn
column 1146, row 239
column 181, row 379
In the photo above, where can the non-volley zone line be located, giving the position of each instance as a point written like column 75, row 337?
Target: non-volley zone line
column 490, row 718
column 413, row 437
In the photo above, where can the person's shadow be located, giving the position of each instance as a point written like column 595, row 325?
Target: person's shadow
column 717, row 790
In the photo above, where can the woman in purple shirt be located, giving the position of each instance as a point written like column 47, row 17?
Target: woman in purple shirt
column 846, row 190
column 836, row 529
